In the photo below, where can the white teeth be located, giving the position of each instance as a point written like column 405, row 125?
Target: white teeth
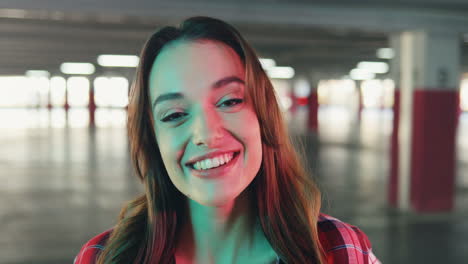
column 222, row 160
column 214, row 162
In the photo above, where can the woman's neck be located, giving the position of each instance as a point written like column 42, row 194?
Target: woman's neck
column 221, row 234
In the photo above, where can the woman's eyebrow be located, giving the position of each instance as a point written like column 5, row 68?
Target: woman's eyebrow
column 225, row 81
column 216, row 85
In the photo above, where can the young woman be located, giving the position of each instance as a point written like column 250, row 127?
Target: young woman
column 223, row 181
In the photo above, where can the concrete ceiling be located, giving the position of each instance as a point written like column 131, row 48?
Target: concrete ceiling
column 43, row 34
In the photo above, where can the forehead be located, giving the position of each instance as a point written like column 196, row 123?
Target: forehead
column 190, row 67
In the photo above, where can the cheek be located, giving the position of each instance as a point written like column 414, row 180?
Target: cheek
column 256, row 145
column 168, row 148
column 169, row 154
column 252, row 138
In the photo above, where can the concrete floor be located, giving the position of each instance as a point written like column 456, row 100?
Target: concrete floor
column 61, row 185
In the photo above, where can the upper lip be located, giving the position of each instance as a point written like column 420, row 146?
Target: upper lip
column 209, row 155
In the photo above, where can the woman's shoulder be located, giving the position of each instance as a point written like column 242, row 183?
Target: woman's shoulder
column 90, row 250
column 344, row 243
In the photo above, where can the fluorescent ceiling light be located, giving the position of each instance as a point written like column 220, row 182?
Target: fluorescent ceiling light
column 108, row 60
column 267, row 63
column 281, row 72
column 360, row 74
column 385, row 53
column 372, row 66
column 13, row 13
column 77, row 68
column 37, row 73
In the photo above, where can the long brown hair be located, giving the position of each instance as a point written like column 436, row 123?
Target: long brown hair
column 287, row 200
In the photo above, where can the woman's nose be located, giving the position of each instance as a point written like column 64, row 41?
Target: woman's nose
column 207, row 129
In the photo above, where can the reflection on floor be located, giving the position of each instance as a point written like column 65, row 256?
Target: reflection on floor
column 62, row 184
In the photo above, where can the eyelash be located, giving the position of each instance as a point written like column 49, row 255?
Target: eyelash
column 169, row 119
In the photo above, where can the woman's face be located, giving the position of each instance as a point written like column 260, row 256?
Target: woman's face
column 207, row 112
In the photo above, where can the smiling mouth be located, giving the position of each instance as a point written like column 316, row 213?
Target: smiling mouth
column 191, row 165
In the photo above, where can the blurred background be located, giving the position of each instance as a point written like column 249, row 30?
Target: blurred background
column 374, row 92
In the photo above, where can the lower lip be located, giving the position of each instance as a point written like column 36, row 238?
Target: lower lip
column 218, row 171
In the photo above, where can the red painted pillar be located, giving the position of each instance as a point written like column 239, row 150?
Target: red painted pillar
column 293, row 102
column 393, row 181
column 299, row 93
column 393, row 194
column 66, row 105
column 360, row 100
column 423, row 159
column 49, row 97
column 435, row 114
column 92, row 105
column 313, row 110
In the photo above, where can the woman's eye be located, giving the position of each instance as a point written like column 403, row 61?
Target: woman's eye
column 171, row 117
column 175, row 116
column 238, row 100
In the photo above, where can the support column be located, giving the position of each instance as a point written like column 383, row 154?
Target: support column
column 92, row 104
column 49, row 96
column 294, row 103
column 394, row 164
column 300, row 91
column 429, row 65
column 66, row 105
column 360, row 102
column 313, row 103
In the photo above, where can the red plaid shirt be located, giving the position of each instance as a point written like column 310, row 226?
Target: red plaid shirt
column 343, row 243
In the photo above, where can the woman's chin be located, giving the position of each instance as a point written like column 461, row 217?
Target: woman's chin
column 214, row 201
